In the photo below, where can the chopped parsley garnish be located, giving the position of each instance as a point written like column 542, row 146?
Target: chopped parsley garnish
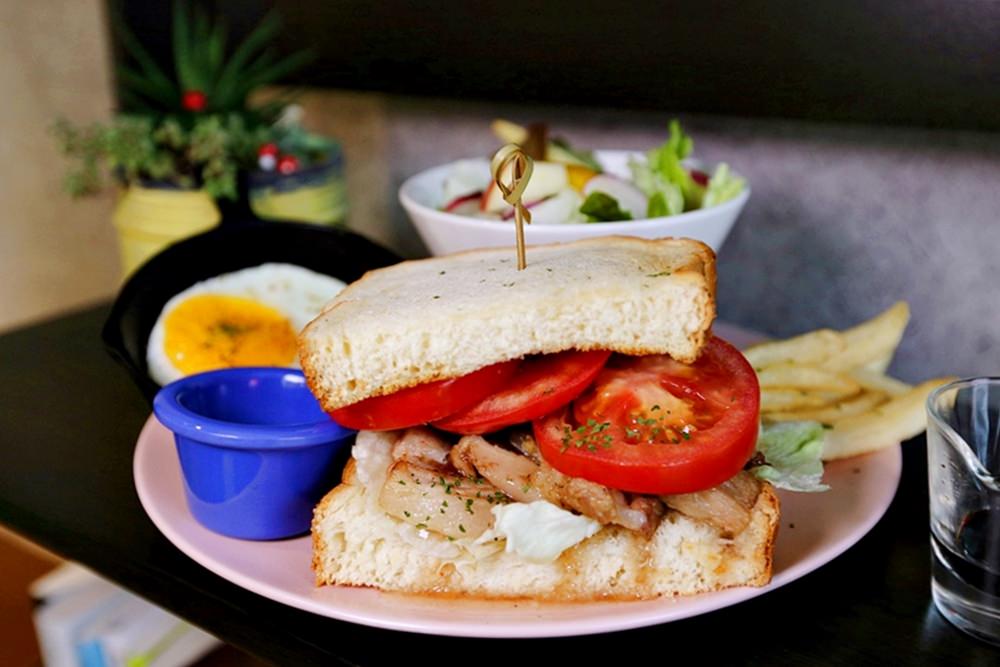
column 590, row 436
column 649, row 428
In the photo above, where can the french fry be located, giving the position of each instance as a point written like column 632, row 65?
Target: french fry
column 875, row 381
column 881, row 364
column 870, row 341
column 892, row 422
column 781, row 400
column 797, row 376
column 810, row 348
column 833, row 413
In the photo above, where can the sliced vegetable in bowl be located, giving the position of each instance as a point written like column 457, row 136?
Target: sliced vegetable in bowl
column 573, row 186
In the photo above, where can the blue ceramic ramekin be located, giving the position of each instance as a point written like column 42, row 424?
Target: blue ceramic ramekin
column 256, row 450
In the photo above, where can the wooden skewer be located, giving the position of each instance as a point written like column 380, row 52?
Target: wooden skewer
column 511, row 168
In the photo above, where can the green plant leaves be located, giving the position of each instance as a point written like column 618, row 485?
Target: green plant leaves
column 199, row 49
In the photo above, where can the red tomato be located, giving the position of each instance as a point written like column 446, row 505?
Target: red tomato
column 540, row 385
column 426, row 402
column 654, row 425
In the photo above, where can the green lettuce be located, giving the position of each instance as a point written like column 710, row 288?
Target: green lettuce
column 791, row 452
column 664, row 179
column 665, row 198
column 722, row 186
column 602, row 207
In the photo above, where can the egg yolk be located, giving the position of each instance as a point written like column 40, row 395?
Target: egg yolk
column 212, row 331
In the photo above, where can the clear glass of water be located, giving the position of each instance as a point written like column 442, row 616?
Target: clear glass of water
column 963, row 455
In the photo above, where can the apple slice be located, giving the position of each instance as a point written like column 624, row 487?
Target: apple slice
column 557, row 210
column 464, row 205
column 464, row 178
column 547, row 179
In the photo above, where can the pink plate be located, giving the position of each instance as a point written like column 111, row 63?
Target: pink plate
column 825, row 525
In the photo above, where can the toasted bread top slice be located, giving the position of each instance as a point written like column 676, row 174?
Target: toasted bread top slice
column 443, row 317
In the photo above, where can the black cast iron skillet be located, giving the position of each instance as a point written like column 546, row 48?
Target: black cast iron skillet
column 334, row 252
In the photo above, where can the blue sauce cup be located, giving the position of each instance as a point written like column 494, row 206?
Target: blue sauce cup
column 256, row 450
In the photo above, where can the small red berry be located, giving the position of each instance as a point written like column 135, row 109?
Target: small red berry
column 270, row 148
column 194, row 100
column 288, row 164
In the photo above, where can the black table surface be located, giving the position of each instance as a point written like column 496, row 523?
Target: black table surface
column 69, row 418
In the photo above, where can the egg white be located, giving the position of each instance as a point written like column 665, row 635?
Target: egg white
column 294, row 291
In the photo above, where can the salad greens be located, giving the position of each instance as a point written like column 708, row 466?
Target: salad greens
column 792, row 452
column 601, row 207
column 672, row 187
column 722, row 186
column 665, row 198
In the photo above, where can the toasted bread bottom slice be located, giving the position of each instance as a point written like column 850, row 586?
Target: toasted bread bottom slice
column 355, row 543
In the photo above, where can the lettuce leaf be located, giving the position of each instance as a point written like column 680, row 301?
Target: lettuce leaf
column 665, row 198
column 664, row 179
column 792, row 453
column 722, row 186
column 667, row 162
column 602, row 207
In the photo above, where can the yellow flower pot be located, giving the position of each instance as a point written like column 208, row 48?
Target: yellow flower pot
column 150, row 219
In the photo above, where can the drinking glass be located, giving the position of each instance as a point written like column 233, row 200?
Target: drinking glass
column 963, row 456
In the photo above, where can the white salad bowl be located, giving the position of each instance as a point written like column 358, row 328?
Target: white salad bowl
column 443, row 233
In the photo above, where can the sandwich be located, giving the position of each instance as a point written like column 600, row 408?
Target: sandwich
column 568, row 432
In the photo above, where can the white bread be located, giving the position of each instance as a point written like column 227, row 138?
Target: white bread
column 441, row 318
column 356, row 544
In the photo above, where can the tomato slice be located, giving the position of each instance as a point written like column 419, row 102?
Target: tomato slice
column 426, row 402
column 656, row 426
column 540, row 385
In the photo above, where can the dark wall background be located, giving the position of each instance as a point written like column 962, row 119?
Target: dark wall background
column 918, row 62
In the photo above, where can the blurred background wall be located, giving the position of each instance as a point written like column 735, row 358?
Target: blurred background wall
column 54, row 253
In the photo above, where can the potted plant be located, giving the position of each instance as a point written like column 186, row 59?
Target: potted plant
column 299, row 175
column 181, row 138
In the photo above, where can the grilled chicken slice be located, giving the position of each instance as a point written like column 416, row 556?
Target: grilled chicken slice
column 508, row 471
column 524, row 442
column 444, row 502
column 604, row 505
column 726, row 507
column 433, row 485
column 525, row 481
column 421, row 446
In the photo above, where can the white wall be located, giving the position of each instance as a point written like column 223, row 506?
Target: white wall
column 54, row 253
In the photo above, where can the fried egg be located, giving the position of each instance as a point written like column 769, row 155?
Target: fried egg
column 246, row 318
